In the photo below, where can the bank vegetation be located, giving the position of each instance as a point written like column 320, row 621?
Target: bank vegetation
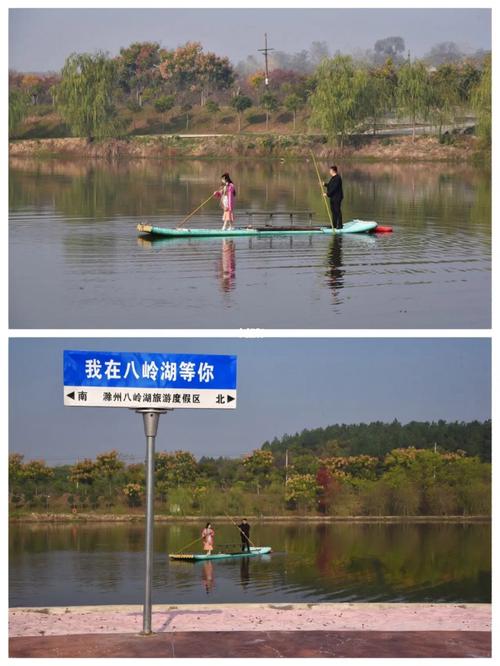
column 149, row 90
column 371, row 470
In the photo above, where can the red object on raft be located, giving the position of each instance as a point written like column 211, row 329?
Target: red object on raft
column 381, row 230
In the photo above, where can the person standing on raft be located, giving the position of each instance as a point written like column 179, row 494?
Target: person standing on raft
column 207, row 537
column 335, row 194
column 244, row 529
column 226, row 194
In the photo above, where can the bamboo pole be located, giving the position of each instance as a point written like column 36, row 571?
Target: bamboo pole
column 238, row 527
column 189, row 544
column 194, row 211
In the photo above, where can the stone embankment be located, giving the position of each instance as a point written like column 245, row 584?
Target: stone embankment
column 238, row 146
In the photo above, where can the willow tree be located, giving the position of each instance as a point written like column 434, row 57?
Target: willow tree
column 379, row 92
column 481, row 101
column 413, row 92
column 18, row 109
column 337, row 102
column 84, row 97
column 444, row 95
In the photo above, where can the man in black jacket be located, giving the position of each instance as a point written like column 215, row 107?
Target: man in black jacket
column 335, row 194
column 244, row 528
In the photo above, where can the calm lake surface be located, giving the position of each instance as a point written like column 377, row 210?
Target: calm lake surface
column 76, row 260
column 104, row 564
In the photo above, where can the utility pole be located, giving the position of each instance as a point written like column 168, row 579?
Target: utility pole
column 265, row 51
column 286, row 466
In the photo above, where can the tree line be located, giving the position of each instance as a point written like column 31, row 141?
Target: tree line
column 339, row 96
column 325, row 471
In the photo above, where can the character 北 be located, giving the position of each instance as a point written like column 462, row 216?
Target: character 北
column 149, row 380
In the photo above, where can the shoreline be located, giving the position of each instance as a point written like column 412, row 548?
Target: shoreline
column 425, row 148
column 129, row 518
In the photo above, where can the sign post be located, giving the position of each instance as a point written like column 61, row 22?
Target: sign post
column 151, row 420
column 150, row 384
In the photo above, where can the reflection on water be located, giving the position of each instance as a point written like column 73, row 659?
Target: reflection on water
column 104, row 564
column 208, row 576
column 335, row 273
column 227, row 265
column 245, row 571
column 78, row 219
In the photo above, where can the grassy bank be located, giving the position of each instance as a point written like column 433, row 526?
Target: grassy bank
column 161, row 518
column 280, row 146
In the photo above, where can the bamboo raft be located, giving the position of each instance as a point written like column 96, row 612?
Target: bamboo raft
column 352, row 227
column 196, row 557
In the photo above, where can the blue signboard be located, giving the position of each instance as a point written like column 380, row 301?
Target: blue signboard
column 136, row 379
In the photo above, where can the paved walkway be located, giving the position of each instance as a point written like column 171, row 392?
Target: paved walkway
column 260, row 644
column 255, row 630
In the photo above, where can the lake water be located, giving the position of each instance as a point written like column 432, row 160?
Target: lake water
column 76, row 260
column 53, row 565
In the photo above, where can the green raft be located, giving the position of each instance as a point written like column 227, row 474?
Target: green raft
column 195, row 557
column 352, row 227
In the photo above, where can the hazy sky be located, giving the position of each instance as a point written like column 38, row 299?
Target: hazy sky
column 284, row 385
column 41, row 39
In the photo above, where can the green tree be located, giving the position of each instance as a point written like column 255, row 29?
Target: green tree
column 240, row 103
column 164, row 104
column 375, row 497
column 444, row 53
column 379, row 92
column 83, row 472
column 302, row 491
column 336, row 103
column 33, row 86
column 133, row 492
column 84, row 96
column 481, row 101
column 185, row 109
column 389, row 47
column 259, row 465
column 413, row 92
column 176, row 469
column 15, row 467
column 36, row 472
column 469, row 76
column 294, row 103
column 213, row 109
column 108, row 467
column 18, row 109
column 444, row 95
column 270, row 104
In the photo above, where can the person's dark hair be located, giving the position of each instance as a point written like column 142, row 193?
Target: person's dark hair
column 228, row 180
column 209, row 523
column 334, row 168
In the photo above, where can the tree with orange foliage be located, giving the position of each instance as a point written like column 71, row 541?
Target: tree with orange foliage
column 33, row 86
column 188, row 68
column 138, row 67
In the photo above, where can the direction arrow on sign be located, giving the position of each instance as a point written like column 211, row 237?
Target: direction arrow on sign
column 149, row 381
